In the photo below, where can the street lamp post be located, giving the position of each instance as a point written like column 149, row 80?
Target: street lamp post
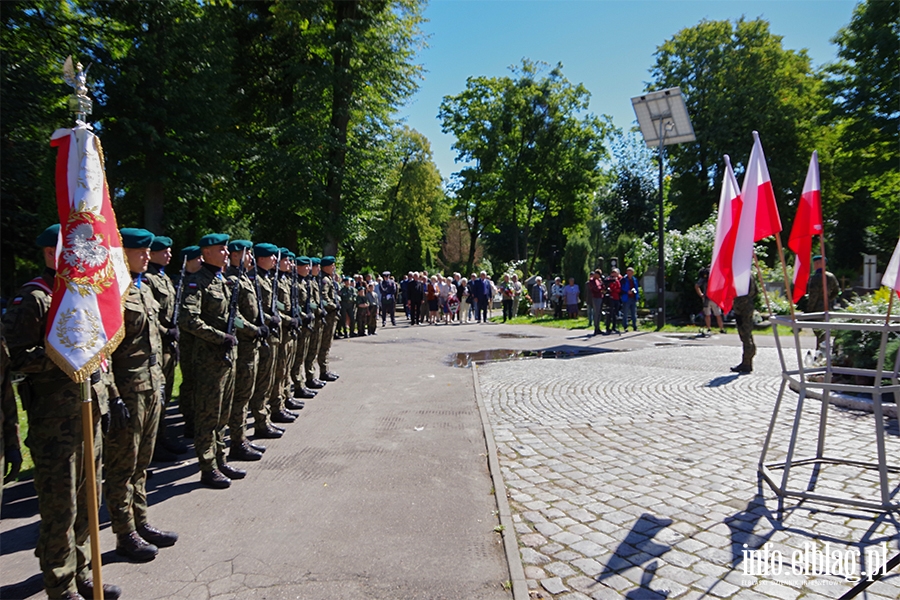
column 663, row 119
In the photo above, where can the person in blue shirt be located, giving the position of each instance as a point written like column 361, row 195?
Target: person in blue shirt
column 631, row 293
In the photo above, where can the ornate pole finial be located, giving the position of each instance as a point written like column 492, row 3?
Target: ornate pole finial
column 79, row 102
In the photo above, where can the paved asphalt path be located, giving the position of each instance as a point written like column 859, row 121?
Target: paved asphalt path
column 380, row 490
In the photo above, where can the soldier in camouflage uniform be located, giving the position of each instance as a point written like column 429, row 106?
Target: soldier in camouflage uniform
column 308, row 318
column 331, row 307
column 249, row 332
column 263, row 276
column 192, row 262
column 287, row 346
column 164, row 292
column 347, row 299
column 815, row 301
column 204, row 315
column 744, row 307
column 52, row 402
column 295, row 296
column 315, row 338
column 10, row 445
column 135, row 414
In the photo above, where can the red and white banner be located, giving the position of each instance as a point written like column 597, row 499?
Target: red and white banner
column 759, row 217
column 720, row 287
column 807, row 223
column 85, row 323
column 891, row 276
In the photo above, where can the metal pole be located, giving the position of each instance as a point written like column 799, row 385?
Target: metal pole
column 661, row 267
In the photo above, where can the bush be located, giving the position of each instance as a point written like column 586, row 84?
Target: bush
column 859, row 349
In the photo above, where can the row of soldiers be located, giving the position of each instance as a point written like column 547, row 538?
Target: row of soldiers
column 250, row 326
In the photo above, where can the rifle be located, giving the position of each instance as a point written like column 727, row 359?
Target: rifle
column 273, row 307
column 295, row 299
column 233, row 308
column 308, row 317
column 259, row 304
column 177, row 311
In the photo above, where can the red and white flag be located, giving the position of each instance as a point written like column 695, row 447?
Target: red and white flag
column 720, row 287
column 807, row 223
column 86, row 315
column 891, row 276
column 759, row 216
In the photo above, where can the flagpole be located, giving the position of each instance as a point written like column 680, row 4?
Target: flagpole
column 80, row 104
column 761, row 284
column 90, row 473
column 787, row 283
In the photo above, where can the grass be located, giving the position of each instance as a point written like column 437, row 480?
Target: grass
column 582, row 323
column 27, row 462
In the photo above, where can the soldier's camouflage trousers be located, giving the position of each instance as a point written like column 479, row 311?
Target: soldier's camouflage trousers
column 312, row 352
column 127, row 455
column 265, row 380
column 186, row 390
column 55, row 441
column 244, row 386
column 286, row 352
column 298, row 370
column 325, row 342
column 213, row 393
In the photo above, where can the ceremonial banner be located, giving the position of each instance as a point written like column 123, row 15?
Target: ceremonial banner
column 720, row 287
column 86, row 314
column 892, row 274
column 807, row 223
column 759, row 216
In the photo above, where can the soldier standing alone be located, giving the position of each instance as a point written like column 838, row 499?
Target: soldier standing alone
column 743, row 316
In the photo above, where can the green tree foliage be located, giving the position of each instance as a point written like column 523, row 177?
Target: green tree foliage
column 576, row 260
column 36, row 39
column 864, row 86
column 627, row 203
column 737, row 78
column 412, row 210
column 533, row 152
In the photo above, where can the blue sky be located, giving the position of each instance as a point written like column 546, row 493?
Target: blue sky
column 607, row 45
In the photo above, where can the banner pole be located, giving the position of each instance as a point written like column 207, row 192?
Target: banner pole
column 787, row 283
column 90, row 473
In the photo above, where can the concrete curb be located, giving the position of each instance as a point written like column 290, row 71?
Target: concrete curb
column 510, row 541
column 851, row 402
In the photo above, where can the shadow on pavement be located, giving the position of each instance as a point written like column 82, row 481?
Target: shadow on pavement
column 24, row 589
column 723, row 380
column 644, row 592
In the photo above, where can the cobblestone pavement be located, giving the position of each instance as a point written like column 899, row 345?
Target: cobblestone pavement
column 633, row 475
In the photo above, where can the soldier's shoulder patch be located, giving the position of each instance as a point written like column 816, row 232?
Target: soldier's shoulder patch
column 192, row 284
column 17, row 300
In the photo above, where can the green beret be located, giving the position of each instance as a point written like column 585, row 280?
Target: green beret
column 49, row 237
column 265, row 250
column 191, row 252
column 135, row 237
column 304, row 260
column 160, row 242
column 347, row 278
column 327, row 261
column 213, row 239
column 240, row 245
column 817, row 257
column 315, row 260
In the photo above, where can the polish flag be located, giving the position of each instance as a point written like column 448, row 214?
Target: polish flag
column 807, row 223
column 85, row 320
column 892, row 274
column 720, row 287
column 759, row 216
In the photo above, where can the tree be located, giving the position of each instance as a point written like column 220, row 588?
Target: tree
column 737, row 78
column 36, row 38
column 864, row 87
column 536, row 154
column 413, row 208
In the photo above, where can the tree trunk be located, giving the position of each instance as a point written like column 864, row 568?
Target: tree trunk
column 341, row 98
column 153, row 207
